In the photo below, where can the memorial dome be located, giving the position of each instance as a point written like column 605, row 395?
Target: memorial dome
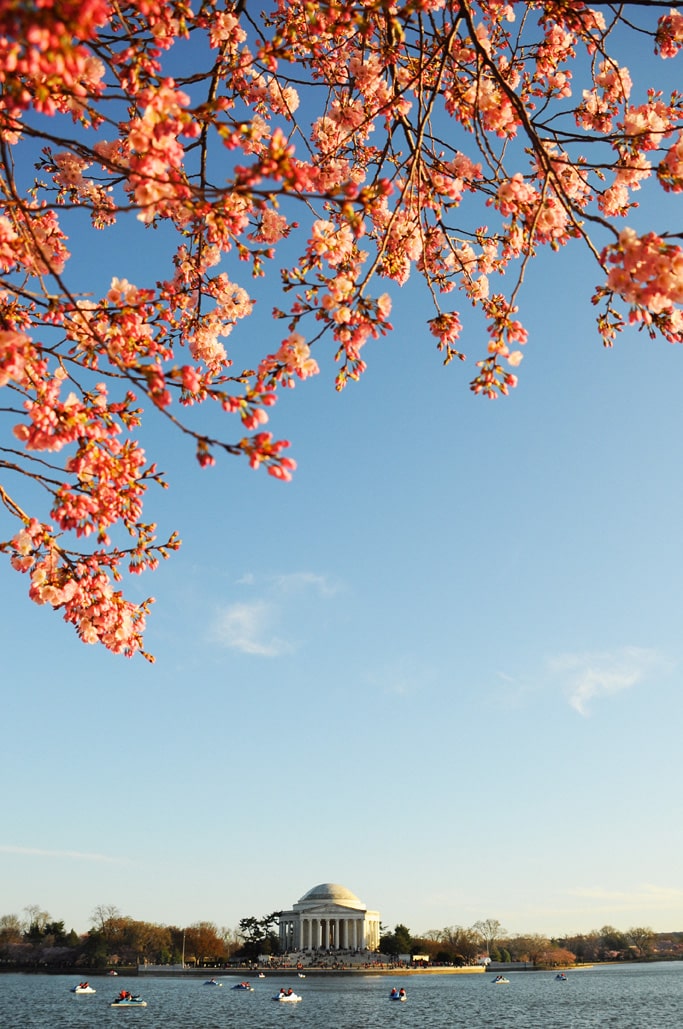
column 329, row 918
column 331, row 893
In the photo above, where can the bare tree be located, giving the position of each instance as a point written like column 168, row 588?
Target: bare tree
column 490, row 930
column 103, row 918
column 642, row 938
column 35, row 917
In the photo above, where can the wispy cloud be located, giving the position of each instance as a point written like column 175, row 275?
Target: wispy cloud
column 298, row 581
column 249, row 627
column 258, row 626
column 291, row 582
column 646, row 895
column 591, row 676
column 76, row 855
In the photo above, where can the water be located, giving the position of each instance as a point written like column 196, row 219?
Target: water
column 611, row 997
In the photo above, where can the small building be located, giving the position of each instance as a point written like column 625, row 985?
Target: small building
column 329, row 917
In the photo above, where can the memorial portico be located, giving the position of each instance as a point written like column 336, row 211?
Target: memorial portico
column 329, row 917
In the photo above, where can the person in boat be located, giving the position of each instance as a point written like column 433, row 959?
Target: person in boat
column 394, row 992
column 124, row 995
column 401, row 992
column 290, row 991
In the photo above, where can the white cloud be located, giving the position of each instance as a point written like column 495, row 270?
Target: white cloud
column 249, row 628
column 591, row 676
column 78, row 855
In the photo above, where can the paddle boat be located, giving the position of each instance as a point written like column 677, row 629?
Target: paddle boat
column 212, row 982
column 500, row 979
column 302, row 975
column 398, row 994
column 561, row 977
column 130, row 1000
column 287, row 997
column 261, row 975
column 83, row 988
column 244, row 986
column 112, row 972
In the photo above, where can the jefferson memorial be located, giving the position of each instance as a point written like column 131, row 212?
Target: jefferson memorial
column 329, row 917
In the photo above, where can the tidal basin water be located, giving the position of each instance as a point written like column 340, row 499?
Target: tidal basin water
column 610, row 997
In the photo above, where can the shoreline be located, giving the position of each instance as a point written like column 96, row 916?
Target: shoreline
column 309, row 973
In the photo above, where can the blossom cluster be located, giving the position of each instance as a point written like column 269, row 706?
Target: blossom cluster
column 362, row 147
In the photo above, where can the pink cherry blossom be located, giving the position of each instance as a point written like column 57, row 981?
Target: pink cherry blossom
column 338, row 150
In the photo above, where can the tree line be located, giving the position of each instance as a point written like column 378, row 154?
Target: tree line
column 113, row 939
column 38, row 940
column 461, row 945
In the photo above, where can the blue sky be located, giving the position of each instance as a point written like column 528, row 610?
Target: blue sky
column 440, row 667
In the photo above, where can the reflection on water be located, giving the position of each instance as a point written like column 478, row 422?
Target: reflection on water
column 619, row 997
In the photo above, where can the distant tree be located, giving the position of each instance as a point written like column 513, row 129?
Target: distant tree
column 388, row 944
column 530, row 948
column 557, row 957
column 149, row 941
column 203, row 944
column 117, row 938
column 104, row 919
column 642, row 938
column 95, row 950
column 397, row 942
column 462, row 944
column 11, row 931
column 490, row 930
column 54, row 934
column 176, row 935
column 258, row 936
column 613, row 943
column 404, row 940
column 36, row 919
column 585, row 946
